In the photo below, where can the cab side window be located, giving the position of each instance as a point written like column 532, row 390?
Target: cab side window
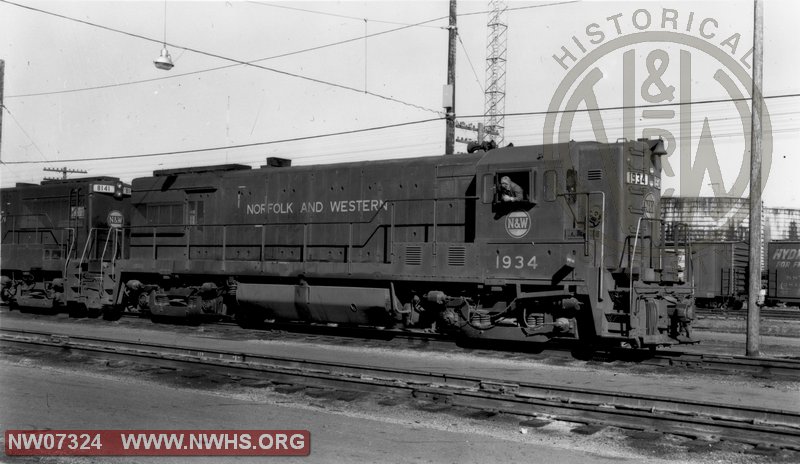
column 514, row 187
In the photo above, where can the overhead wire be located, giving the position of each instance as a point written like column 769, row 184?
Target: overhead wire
column 371, row 129
column 234, row 60
column 643, row 106
column 463, row 47
column 201, row 71
column 238, row 63
column 283, row 55
column 367, row 130
column 355, row 18
column 227, row 147
column 517, row 8
column 33, row 142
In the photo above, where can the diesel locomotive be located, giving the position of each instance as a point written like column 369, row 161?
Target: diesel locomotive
column 56, row 237
column 430, row 243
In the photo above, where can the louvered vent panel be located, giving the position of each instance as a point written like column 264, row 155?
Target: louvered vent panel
column 413, row 256
column 594, row 174
column 457, row 256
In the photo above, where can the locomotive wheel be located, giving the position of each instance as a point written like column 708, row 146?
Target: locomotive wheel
column 77, row 310
column 248, row 320
column 94, row 313
column 112, row 312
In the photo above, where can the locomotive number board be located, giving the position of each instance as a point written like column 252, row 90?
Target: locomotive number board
column 640, row 178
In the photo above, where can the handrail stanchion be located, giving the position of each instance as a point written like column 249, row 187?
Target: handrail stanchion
column 72, row 234
column 224, row 245
column 391, row 232
column 263, row 242
column 105, row 246
column 632, row 257
column 304, row 250
column 350, row 248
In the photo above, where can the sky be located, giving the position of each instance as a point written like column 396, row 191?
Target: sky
column 81, row 90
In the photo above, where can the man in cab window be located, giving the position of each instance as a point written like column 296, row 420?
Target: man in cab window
column 509, row 191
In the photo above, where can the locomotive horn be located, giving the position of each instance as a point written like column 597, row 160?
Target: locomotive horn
column 657, row 147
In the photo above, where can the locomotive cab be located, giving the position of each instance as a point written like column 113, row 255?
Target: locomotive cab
column 582, row 252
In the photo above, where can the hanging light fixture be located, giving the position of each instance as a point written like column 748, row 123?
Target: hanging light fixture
column 164, row 61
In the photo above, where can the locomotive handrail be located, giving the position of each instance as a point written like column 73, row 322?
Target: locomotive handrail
column 45, row 215
column 688, row 244
column 387, row 205
column 14, row 229
column 630, row 266
column 252, row 224
column 93, row 230
column 73, row 238
column 632, row 255
column 115, row 232
column 71, row 233
column 601, row 267
column 85, row 247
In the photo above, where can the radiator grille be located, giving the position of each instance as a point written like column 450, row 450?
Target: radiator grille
column 594, row 174
column 413, row 255
column 457, row 256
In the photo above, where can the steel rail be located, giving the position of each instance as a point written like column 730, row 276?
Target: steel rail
column 750, row 425
column 777, row 314
column 783, row 368
column 775, row 368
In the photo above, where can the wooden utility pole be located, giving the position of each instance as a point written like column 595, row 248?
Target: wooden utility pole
column 2, row 108
column 64, row 171
column 450, row 88
column 753, row 312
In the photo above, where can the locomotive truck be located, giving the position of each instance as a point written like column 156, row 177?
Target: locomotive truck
column 424, row 242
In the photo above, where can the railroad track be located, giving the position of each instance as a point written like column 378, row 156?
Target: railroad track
column 772, row 368
column 685, row 417
column 775, row 314
column 775, row 368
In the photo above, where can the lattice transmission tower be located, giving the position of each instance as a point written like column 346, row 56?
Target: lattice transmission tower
column 495, row 94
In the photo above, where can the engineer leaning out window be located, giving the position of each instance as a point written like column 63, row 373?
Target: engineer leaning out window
column 509, row 191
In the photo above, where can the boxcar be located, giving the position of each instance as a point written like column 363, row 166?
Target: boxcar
column 719, row 273
column 783, row 272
